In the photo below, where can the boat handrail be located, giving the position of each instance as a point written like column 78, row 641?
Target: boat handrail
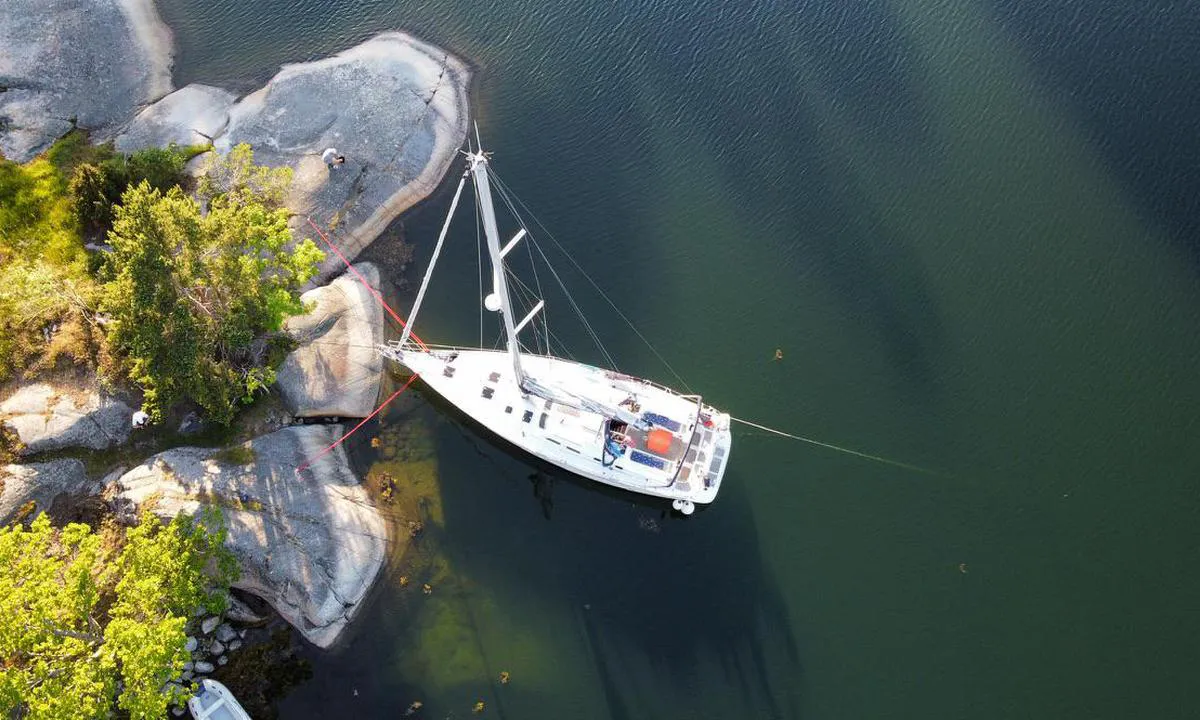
column 612, row 374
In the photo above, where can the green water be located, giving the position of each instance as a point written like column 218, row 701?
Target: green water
column 961, row 253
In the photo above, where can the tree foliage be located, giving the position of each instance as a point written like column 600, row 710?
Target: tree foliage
column 197, row 298
column 86, row 626
column 98, row 183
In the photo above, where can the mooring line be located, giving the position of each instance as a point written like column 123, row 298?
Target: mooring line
column 848, row 451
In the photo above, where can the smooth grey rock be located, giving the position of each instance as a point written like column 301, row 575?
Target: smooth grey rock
column 336, row 370
column 203, row 667
column 235, row 645
column 191, row 115
column 40, row 483
column 224, row 634
column 239, row 611
column 187, row 675
column 396, row 107
column 222, row 660
column 210, row 623
column 50, row 417
column 93, row 62
column 217, row 648
column 311, row 543
column 189, row 665
column 190, row 646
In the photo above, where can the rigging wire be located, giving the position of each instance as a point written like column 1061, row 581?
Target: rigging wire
column 565, row 350
column 504, row 193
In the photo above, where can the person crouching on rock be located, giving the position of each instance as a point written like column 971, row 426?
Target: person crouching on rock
column 333, row 159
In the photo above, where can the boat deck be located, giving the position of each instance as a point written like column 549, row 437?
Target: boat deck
column 679, row 452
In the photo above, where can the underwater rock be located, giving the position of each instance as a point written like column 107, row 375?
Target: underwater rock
column 310, row 543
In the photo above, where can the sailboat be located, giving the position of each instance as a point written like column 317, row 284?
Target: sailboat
column 600, row 424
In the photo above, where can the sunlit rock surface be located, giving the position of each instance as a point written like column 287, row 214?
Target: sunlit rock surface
column 52, row 417
column 336, row 370
column 41, row 484
column 192, row 115
column 310, row 544
column 396, row 107
column 91, row 62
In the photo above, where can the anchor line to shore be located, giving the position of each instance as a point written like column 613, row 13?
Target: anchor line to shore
column 848, row 451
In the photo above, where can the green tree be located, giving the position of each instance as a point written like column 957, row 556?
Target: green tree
column 161, row 167
column 198, row 299
column 86, row 627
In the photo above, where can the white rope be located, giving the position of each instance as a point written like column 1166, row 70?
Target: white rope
column 838, row 448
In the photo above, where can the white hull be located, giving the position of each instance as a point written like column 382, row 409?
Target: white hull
column 682, row 458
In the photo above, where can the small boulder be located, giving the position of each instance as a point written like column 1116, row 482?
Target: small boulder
column 225, row 633
column 204, row 667
column 217, row 647
column 235, row 645
column 222, row 660
column 191, row 424
column 191, row 644
column 239, row 611
column 209, row 624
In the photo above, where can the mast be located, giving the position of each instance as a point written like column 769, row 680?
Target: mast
column 498, row 300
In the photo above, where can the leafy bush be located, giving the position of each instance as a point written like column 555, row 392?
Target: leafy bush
column 161, row 167
column 197, row 300
column 89, row 625
column 94, row 190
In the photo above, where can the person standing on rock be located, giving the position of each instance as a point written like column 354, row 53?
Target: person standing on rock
column 333, row 159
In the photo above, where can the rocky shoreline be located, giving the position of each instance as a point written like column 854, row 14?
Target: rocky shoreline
column 311, row 540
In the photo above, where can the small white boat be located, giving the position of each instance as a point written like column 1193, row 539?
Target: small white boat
column 215, row 702
column 601, row 424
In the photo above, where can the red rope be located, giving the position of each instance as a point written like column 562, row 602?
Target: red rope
column 308, row 463
column 366, row 284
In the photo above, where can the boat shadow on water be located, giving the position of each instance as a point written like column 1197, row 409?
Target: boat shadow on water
column 680, row 615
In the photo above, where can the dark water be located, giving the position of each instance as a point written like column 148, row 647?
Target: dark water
column 971, row 227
